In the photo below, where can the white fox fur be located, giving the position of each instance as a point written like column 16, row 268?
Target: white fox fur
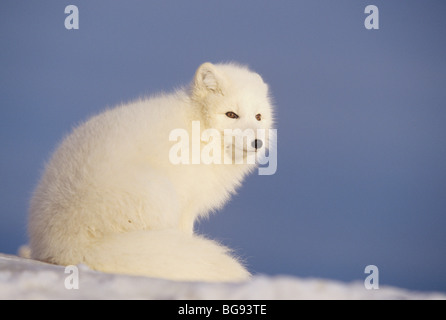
column 111, row 199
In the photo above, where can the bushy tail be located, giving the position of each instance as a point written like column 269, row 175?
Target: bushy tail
column 165, row 254
column 24, row 252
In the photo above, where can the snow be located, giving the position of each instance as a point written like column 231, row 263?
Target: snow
column 28, row 279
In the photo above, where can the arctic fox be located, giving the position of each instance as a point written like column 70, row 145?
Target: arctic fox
column 111, row 197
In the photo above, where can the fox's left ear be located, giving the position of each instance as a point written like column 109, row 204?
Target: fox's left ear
column 208, row 80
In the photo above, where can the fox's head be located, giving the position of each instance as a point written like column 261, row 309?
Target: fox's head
column 235, row 102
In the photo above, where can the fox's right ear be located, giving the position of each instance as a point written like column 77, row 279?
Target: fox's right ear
column 208, row 80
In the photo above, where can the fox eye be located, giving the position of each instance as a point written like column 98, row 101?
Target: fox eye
column 258, row 117
column 232, row 115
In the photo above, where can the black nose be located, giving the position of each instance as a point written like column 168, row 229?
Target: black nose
column 257, row 144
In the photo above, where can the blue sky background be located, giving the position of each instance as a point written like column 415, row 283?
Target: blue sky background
column 361, row 119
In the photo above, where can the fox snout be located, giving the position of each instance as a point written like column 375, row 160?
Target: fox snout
column 257, row 144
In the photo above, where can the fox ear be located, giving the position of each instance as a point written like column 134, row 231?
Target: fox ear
column 207, row 79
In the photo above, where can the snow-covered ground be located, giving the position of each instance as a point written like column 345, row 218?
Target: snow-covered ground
column 27, row 279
